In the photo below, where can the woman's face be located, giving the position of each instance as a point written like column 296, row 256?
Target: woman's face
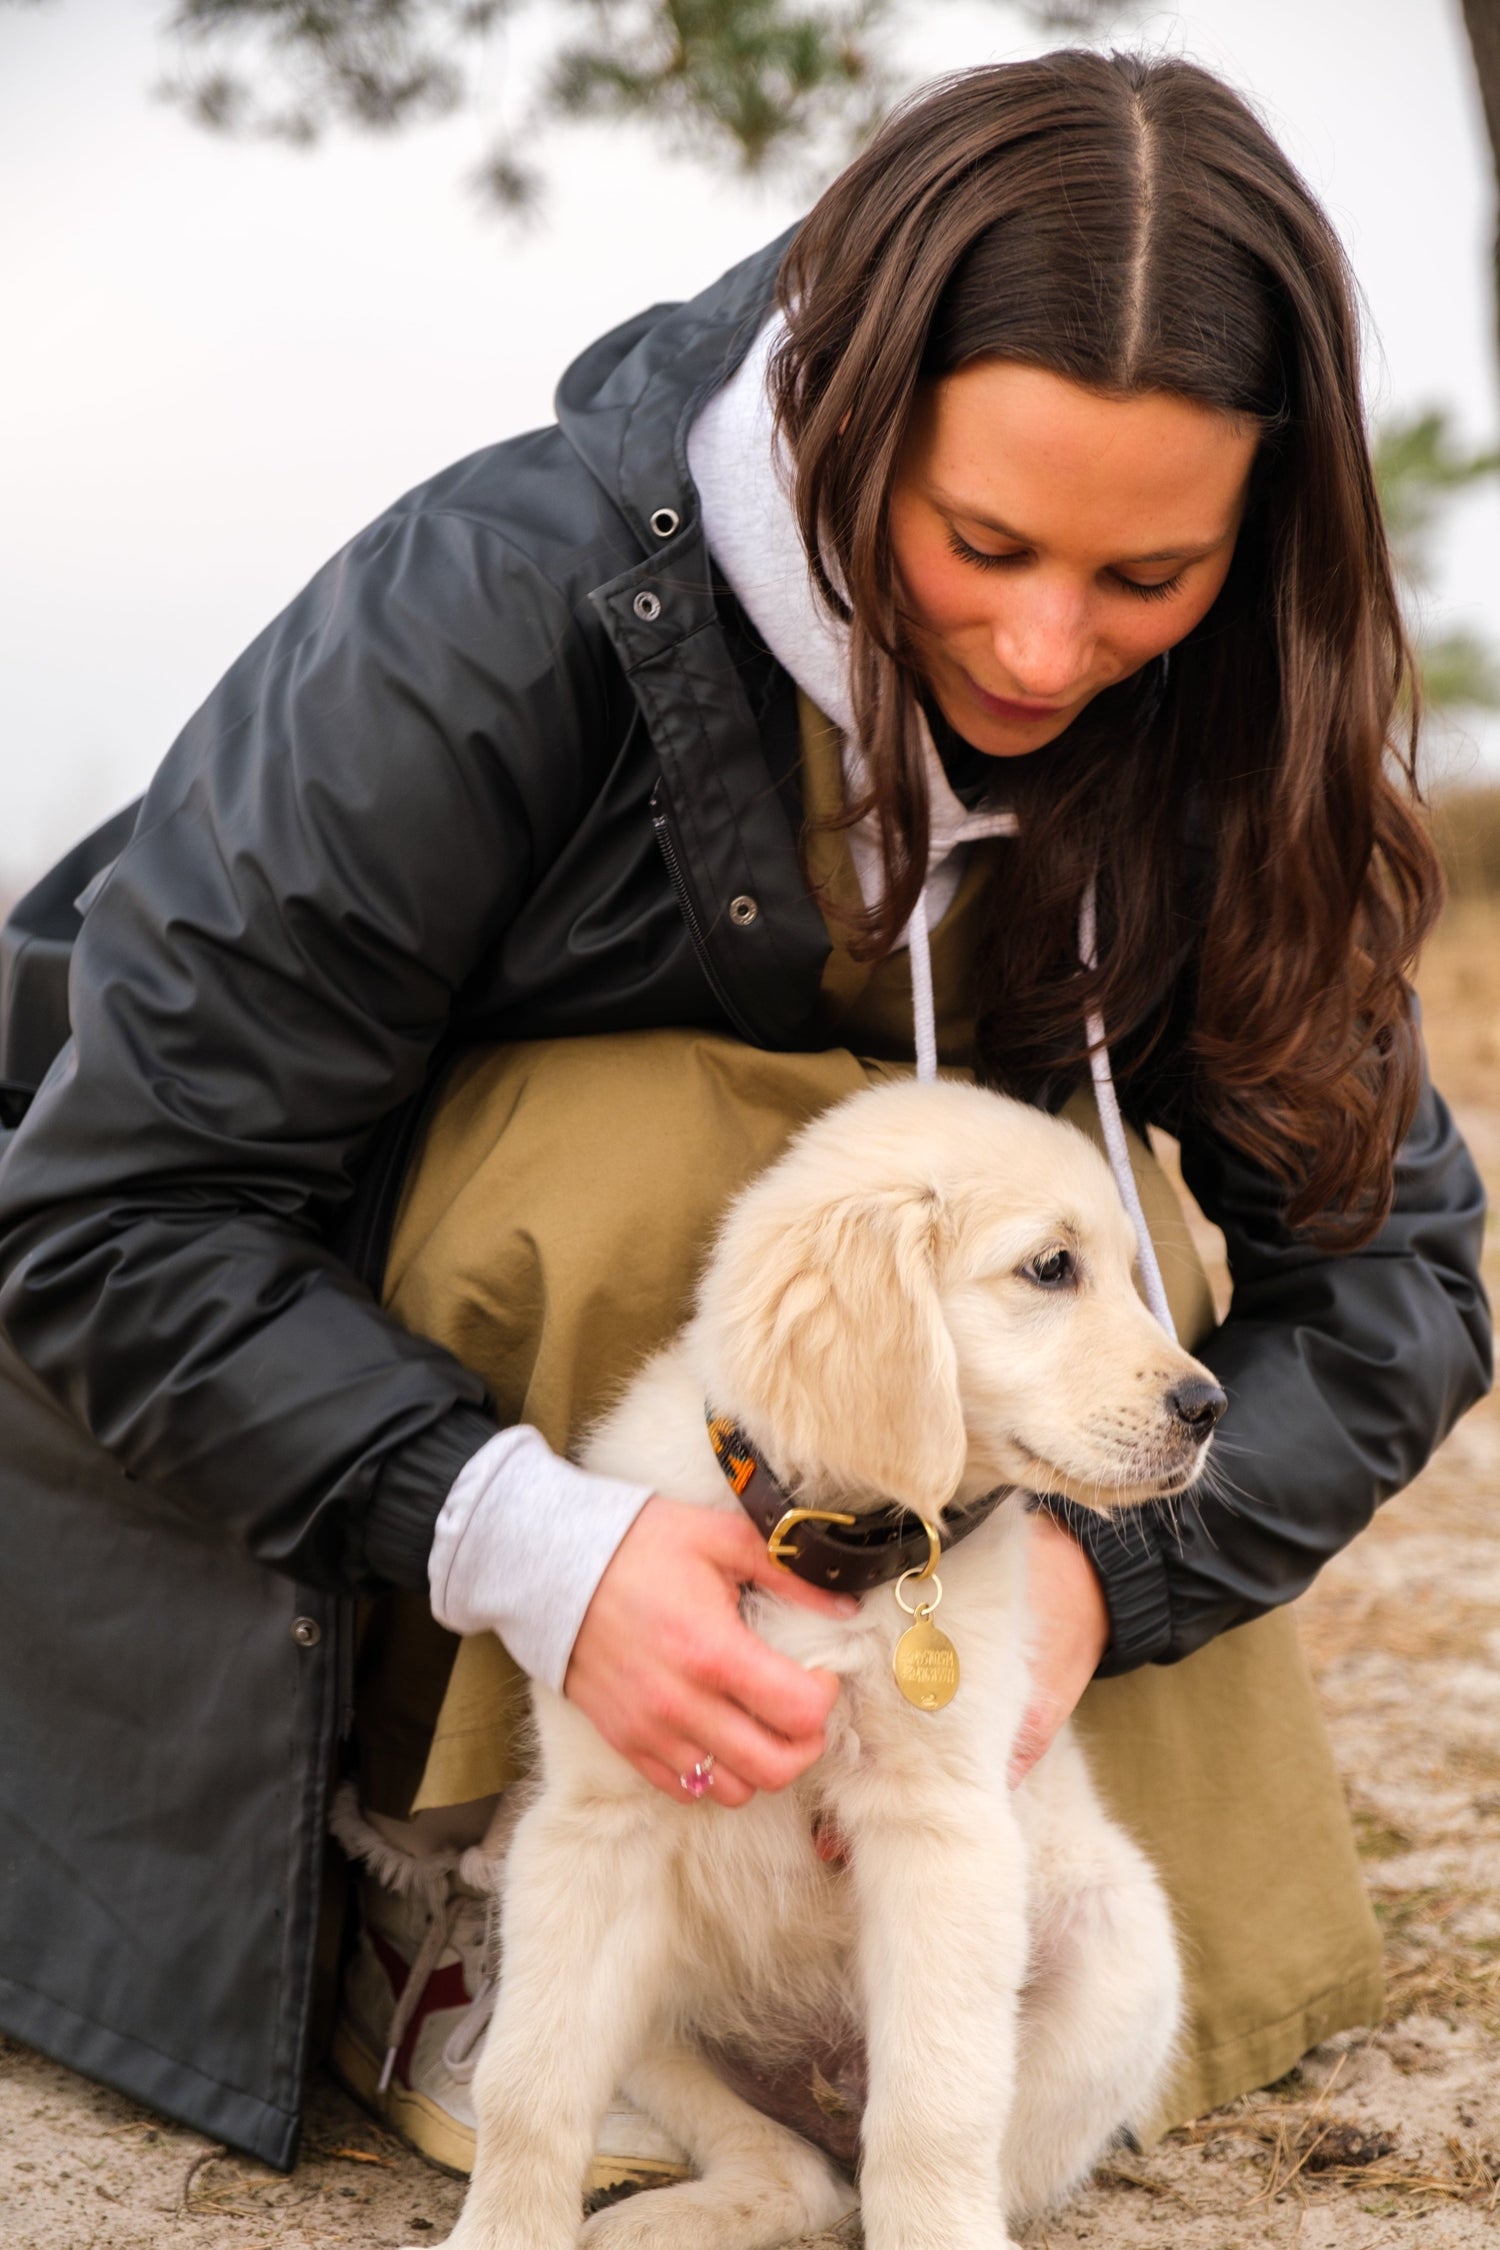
column 1050, row 540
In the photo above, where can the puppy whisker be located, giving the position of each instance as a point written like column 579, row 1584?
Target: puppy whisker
column 1218, row 1484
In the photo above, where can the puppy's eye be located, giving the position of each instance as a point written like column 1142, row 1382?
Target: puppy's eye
column 1054, row 1269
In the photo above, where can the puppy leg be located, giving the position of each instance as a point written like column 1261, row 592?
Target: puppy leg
column 761, row 2185
column 941, row 1888
column 588, row 1965
column 1100, row 2016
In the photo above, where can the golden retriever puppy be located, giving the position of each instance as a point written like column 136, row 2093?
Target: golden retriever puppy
column 928, row 1297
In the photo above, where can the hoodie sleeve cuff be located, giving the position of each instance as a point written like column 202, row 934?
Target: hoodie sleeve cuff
column 1125, row 1550
column 414, row 1483
column 522, row 1541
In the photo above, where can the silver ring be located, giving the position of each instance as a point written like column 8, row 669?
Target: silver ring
column 701, row 1779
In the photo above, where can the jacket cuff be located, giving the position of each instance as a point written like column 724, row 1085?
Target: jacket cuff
column 1125, row 1550
column 414, row 1482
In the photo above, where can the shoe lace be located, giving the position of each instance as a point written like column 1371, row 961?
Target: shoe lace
column 461, row 1893
column 419, row 1976
column 461, row 2047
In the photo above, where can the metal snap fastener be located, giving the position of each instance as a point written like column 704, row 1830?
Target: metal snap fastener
column 743, row 910
column 306, row 1632
column 647, row 607
column 664, row 522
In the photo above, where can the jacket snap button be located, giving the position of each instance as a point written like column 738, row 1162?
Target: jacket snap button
column 306, row 1632
column 664, row 522
column 647, row 607
column 743, row 910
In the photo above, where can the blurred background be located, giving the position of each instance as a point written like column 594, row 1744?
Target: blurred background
column 263, row 265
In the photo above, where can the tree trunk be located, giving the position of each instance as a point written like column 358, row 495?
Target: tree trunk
column 1482, row 17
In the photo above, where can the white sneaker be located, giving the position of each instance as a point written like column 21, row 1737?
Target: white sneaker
column 417, row 1999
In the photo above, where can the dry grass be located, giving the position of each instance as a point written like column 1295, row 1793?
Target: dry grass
column 1297, row 2152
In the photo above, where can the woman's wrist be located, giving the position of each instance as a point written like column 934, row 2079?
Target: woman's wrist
column 1069, row 1630
column 1125, row 1549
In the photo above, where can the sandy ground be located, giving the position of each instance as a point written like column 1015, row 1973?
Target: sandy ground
column 1385, row 2137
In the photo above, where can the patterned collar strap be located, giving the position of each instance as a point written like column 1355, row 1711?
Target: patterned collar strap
column 845, row 1553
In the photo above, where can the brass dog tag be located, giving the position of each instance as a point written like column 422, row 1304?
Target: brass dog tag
column 925, row 1663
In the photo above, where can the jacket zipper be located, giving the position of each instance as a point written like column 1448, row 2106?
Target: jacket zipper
column 661, row 822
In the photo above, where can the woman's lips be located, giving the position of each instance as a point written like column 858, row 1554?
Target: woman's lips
column 1005, row 707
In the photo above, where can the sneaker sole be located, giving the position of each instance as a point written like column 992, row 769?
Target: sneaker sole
column 440, row 2137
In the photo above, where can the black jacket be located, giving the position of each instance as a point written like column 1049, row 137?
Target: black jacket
column 497, row 773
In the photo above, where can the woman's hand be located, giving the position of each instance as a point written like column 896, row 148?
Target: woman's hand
column 1069, row 1633
column 668, row 1670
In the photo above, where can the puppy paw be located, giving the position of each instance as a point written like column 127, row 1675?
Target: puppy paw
column 629, row 2225
column 485, row 2235
column 723, row 2214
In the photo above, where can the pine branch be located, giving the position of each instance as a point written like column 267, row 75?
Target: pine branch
column 743, row 85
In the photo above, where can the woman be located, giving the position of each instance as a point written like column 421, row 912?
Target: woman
column 564, row 797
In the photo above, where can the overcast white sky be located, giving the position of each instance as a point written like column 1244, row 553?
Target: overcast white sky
column 220, row 359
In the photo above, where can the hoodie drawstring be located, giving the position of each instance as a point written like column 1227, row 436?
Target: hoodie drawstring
column 923, row 1012
column 924, row 1027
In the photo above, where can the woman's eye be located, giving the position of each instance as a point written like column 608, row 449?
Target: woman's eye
column 1055, row 1269
column 1160, row 592
column 957, row 545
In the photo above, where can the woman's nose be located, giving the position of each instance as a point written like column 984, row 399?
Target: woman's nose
column 1042, row 639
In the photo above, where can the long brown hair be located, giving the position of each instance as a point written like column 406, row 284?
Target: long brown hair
column 1131, row 225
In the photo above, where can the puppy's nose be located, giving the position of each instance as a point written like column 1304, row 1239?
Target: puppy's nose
column 1197, row 1404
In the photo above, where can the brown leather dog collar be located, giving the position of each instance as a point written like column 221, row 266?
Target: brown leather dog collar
column 845, row 1553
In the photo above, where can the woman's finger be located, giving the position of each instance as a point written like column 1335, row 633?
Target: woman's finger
column 663, row 1721
column 790, row 1700
column 728, row 1788
column 1033, row 1738
column 759, row 1755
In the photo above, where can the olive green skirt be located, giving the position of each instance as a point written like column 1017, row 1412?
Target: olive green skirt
column 550, row 1235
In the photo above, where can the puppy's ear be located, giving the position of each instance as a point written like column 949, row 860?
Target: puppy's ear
column 829, row 1332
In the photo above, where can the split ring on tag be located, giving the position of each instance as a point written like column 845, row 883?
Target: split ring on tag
column 923, row 1608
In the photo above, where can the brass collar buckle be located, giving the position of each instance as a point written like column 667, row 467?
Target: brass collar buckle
column 777, row 1546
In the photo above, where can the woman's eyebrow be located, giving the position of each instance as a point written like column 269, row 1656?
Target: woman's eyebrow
column 1192, row 553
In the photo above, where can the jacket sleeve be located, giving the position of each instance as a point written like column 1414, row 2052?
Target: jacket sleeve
column 329, row 848
column 1344, row 1372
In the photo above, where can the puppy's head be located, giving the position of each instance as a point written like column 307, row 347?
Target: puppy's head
column 931, row 1293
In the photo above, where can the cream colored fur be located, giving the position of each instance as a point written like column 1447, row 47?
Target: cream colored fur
column 869, row 1319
